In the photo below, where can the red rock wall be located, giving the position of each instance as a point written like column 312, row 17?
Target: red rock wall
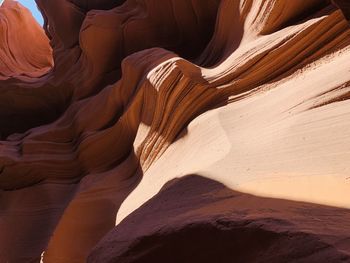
column 91, row 128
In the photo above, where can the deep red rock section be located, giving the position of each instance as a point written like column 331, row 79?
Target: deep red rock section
column 105, row 110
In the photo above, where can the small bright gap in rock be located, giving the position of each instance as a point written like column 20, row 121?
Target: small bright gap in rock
column 31, row 5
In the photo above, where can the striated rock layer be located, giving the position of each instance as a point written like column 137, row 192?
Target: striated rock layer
column 175, row 131
column 24, row 48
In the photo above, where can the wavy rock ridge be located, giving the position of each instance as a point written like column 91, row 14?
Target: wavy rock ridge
column 249, row 96
column 24, row 47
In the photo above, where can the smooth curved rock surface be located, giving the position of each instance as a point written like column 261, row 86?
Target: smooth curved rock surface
column 251, row 95
column 24, row 48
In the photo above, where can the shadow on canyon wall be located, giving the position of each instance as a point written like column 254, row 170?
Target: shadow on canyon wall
column 196, row 219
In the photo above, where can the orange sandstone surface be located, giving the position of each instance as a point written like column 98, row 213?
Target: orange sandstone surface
column 175, row 131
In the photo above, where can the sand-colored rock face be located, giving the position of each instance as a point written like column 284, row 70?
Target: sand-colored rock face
column 175, row 131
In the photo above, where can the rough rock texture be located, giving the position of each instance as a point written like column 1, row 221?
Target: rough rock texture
column 252, row 95
column 202, row 215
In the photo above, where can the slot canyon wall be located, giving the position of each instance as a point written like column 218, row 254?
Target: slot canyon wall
column 175, row 131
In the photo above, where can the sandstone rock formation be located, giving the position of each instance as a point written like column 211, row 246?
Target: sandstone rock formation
column 25, row 50
column 175, row 131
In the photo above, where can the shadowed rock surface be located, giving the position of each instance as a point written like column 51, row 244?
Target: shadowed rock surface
column 115, row 99
column 203, row 221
